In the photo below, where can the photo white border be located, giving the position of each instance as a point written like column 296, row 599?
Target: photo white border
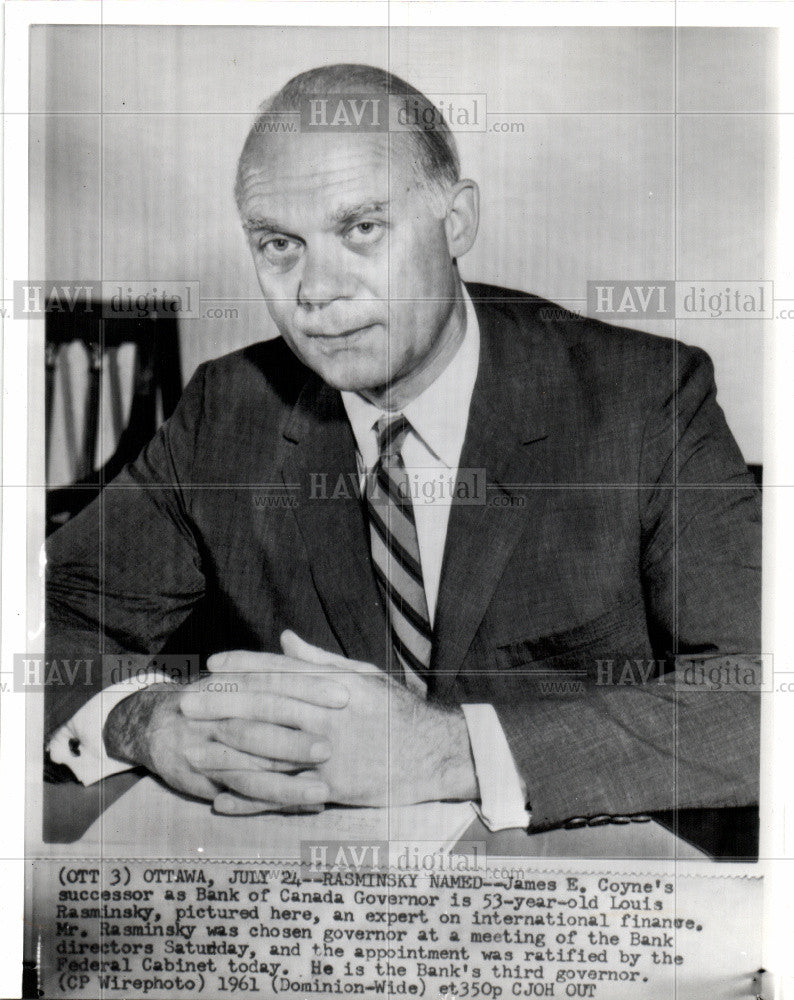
column 777, row 841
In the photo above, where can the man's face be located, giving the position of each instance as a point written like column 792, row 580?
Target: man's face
column 353, row 262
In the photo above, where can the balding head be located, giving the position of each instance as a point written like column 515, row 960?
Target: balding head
column 420, row 123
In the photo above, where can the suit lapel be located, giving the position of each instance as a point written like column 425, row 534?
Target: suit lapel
column 506, row 435
column 320, row 459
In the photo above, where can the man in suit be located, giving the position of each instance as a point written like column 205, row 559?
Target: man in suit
column 529, row 644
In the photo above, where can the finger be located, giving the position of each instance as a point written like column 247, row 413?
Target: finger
column 198, row 784
column 315, row 687
column 272, row 742
column 214, row 756
column 247, row 661
column 235, row 805
column 298, row 649
column 276, row 709
column 267, row 786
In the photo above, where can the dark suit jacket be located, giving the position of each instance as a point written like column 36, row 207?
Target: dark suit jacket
column 621, row 525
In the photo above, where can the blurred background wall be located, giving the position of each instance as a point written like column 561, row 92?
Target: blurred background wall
column 626, row 153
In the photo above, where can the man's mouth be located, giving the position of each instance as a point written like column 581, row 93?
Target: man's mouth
column 341, row 334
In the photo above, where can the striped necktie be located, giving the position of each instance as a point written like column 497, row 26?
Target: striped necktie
column 395, row 550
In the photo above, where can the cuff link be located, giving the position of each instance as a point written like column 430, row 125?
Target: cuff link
column 602, row 819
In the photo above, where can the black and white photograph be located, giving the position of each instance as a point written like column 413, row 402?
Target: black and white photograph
column 397, row 439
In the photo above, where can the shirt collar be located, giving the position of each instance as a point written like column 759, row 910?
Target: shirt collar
column 439, row 415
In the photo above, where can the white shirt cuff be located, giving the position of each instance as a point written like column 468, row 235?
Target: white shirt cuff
column 79, row 743
column 503, row 800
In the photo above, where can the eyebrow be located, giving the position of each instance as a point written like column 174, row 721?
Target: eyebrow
column 349, row 213
column 342, row 216
column 257, row 224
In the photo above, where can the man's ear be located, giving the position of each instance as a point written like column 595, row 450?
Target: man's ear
column 463, row 218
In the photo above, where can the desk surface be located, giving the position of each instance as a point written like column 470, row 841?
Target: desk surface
column 140, row 816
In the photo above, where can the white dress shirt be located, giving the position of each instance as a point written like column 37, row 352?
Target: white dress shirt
column 431, row 454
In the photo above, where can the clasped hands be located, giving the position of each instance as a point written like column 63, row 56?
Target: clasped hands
column 266, row 732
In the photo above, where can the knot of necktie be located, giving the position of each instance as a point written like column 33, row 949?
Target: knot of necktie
column 391, row 431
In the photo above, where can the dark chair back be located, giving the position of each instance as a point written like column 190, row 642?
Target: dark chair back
column 157, row 385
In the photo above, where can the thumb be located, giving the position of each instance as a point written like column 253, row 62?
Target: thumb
column 299, row 649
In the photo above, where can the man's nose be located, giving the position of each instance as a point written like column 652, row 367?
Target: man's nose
column 322, row 281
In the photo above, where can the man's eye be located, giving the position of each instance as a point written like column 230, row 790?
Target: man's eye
column 364, row 233
column 280, row 250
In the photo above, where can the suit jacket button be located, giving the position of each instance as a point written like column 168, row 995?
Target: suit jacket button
column 601, row 820
column 621, row 820
column 640, row 818
column 576, row 822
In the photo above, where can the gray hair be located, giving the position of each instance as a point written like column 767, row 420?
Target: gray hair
column 433, row 141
